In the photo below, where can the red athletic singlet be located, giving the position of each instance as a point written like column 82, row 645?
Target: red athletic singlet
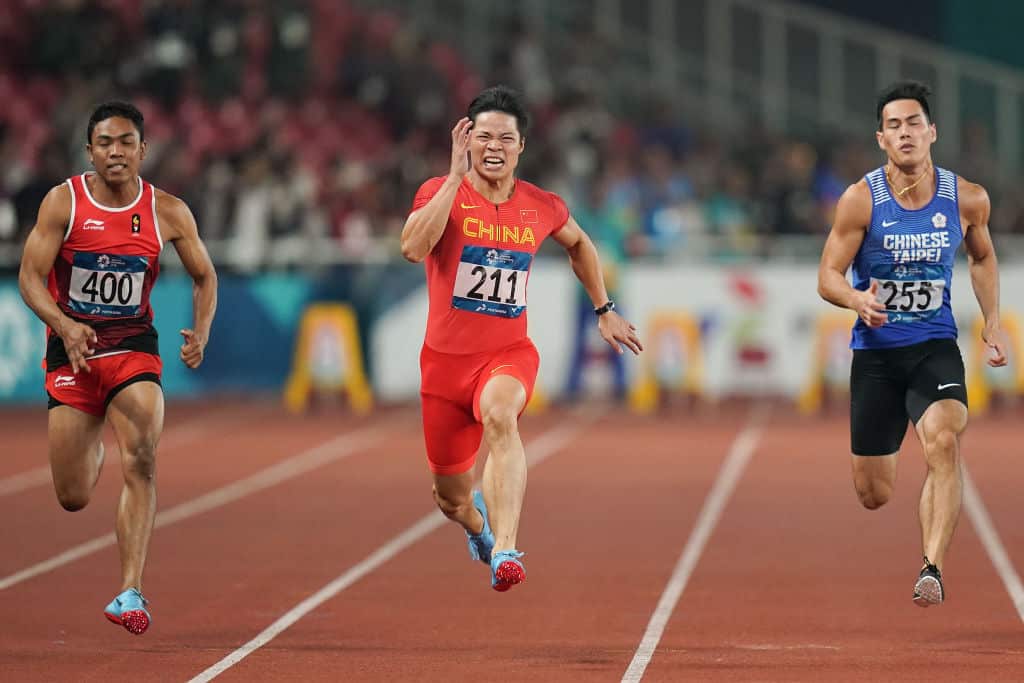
column 105, row 271
column 477, row 273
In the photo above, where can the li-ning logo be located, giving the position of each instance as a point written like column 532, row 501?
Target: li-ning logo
column 136, row 224
column 64, row 381
column 93, row 224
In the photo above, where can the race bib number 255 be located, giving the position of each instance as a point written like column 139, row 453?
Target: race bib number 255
column 910, row 294
column 107, row 284
column 492, row 281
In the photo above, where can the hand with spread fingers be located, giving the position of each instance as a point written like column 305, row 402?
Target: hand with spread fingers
column 79, row 343
column 617, row 331
column 460, row 148
column 193, row 348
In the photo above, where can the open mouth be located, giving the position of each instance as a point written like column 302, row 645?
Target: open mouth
column 117, row 167
column 493, row 163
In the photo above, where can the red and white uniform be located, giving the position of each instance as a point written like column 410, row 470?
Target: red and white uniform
column 477, row 278
column 103, row 276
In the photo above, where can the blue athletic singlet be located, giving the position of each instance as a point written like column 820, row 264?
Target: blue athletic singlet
column 910, row 254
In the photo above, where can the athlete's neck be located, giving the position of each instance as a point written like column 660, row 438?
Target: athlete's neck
column 912, row 183
column 115, row 196
column 494, row 191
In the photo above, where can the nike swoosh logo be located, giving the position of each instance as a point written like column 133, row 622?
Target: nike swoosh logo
column 467, row 206
column 886, row 224
column 947, row 386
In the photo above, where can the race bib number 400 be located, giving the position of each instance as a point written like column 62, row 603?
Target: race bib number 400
column 492, row 281
column 107, row 285
column 910, row 293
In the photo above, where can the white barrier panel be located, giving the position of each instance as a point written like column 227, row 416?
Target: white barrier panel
column 758, row 323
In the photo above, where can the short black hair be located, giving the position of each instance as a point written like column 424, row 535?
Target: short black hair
column 504, row 99
column 904, row 90
column 109, row 110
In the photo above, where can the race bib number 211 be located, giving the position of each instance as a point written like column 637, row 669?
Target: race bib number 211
column 492, row 281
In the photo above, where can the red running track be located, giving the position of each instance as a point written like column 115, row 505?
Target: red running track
column 795, row 583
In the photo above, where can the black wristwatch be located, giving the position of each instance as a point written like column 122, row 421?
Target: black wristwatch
column 610, row 306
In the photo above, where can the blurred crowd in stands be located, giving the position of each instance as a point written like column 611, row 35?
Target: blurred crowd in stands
column 283, row 121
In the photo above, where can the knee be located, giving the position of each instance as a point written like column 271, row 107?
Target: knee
column 874, row 494
column 140, row 460
column 72, row 499
column 942, row 450
column 453, row 506
column 500, row 422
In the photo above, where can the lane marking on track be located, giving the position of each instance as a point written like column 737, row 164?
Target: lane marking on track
column 540, row 449
column 23, row 481
column 740, row 453
column 986, row 531
column 318, row 456
column 175, row 437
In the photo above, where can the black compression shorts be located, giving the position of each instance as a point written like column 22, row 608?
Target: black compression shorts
column 890, row 386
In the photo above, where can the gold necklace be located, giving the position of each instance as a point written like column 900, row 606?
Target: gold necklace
column 908, row 188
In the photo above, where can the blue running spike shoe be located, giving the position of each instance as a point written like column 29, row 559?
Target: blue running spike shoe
column 506, row 570
column 481, row 544
column 129, row 610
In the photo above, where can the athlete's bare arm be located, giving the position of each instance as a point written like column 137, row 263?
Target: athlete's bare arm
column 853, row 214
column 41, row 249
column 587, row 265
column 179, row 227
column 975, row 209
column 424, row 227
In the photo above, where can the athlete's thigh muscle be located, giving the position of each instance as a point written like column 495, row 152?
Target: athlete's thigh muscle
column 72, row 436
column 137, row 414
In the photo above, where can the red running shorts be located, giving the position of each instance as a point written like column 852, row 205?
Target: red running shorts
column 91, row 392
column 450, row 397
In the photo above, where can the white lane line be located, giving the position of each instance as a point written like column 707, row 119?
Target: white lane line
column 986, row 531
column 24, row 480
column 174, row 437
column 740, row 452
column 540, row 449
column 311, row 459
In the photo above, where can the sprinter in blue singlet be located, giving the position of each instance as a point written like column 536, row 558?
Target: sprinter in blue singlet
column 900, row 228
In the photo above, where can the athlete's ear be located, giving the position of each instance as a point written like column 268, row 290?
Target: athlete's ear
column 142, row 150
column 935, row 132
column 881, row 140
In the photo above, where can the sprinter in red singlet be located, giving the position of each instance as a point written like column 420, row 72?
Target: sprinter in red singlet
column 479, row 228
column 96, row 243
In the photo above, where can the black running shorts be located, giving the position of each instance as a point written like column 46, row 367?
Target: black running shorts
column 890, row 386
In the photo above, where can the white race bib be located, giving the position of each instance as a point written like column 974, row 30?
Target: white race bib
column 910, row 293
column 492, row 281
column 106, row 284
